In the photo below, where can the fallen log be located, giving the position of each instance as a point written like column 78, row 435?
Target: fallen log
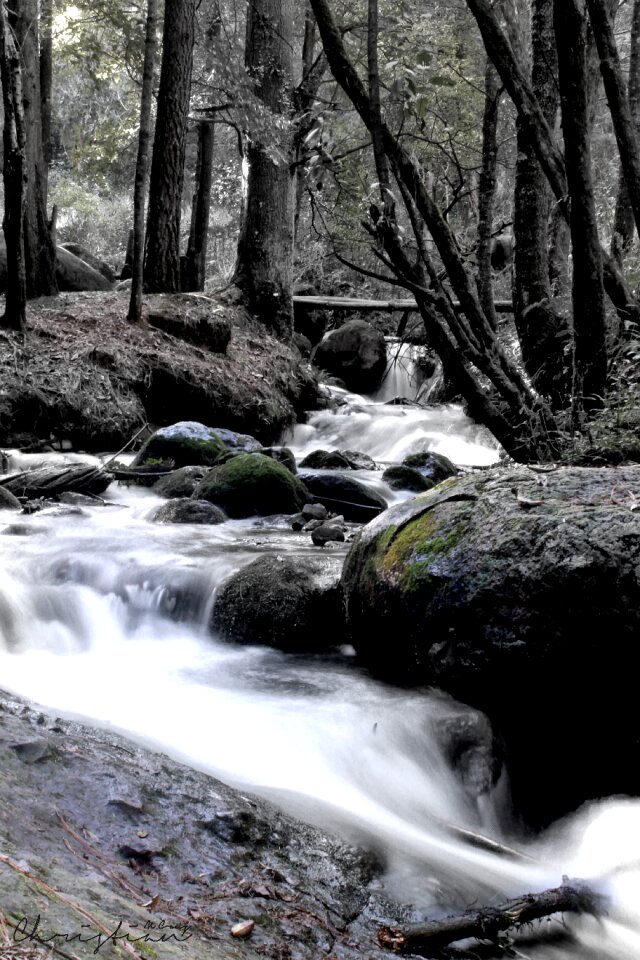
column 50, row 481
column 573, row 896
column 385, row 306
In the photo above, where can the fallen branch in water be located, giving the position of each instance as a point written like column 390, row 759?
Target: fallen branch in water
column 572, row 897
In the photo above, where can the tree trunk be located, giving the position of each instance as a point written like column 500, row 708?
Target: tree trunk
column 624, row 222
column 589, row 321
column 142, row 163
column 550, row 158
column 465, row 340
column 541, row 331
column 162, row 255
column 487, row 190
column 265, row 247
column 15, row 177
column 195, row 260
column 46, row 82
column 623, row 121
column 38, row 244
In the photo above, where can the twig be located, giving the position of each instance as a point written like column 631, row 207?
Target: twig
column 127, row 444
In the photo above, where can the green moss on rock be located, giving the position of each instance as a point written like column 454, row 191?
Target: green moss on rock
column 252, row 484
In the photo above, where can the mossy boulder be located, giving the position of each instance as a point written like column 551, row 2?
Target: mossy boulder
column 519, row 594
column 251, row 484
column 186, row 443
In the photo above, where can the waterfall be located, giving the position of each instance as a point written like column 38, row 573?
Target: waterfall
column 105, row 600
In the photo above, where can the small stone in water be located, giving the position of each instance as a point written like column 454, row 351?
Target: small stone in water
column 243, row 929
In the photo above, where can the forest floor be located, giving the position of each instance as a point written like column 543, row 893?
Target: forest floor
column 82, row 376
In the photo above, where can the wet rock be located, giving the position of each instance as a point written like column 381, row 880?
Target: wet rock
column 179, row 483
column 281, row 455
column 471, row 749
column 401, row 477
column 519, row 594
column 325, row 460
column 32, row 751
column 356, row 353
column 314, row 511
column 359, row 461
column 338, row 492
column 252, row 484
column 433, row 466
column 8, row 500
column 290, row 605
column 326, row 533
column 186, row 443
column 186, row 510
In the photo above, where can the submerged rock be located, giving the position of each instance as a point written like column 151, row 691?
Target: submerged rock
column 400, row 477
column 356, row 502
column 433, row 466
column 252, row 484
column 518, row 593
column 290, row 605
column 185, row 510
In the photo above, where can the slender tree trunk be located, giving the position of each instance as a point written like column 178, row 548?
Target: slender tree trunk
column 38, row 242
column 142, row 163
column 15, row 177
column 511, row 412
column 162, row 255
column 195, row 260
column 550, row 158
column 624, row 222
column 46, row 83
column 265, row 247
column 589, row 321
column 614, row 85
column 487, row 190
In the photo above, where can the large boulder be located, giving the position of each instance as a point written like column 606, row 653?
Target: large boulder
column 339, row 493
column 251, row 484
column 356, row 353
column 519, row 594
column 291, row 605
column 187, row 443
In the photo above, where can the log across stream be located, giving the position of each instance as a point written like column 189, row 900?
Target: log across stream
column 94, row 623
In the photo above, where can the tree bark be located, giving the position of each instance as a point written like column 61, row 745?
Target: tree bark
column 142, row 163
column 162, row 254
column 264, row 269
column 487, row 190
column 624, row 222
column 46, row 84
column 38, row 243
column 589, row 321
column 15, row 177
column 195, row 260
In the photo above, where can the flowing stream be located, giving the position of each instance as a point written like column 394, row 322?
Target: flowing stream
column 104, row 614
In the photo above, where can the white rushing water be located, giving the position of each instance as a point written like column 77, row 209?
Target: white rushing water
column 103, row 615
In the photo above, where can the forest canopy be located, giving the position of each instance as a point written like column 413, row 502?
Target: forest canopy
column 460, row 153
